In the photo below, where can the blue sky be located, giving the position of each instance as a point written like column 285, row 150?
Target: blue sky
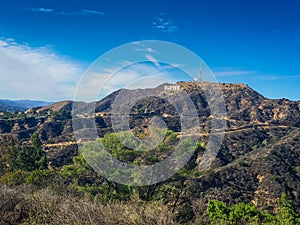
column 46, row 45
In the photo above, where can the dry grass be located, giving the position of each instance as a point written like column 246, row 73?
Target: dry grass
column 22, row 205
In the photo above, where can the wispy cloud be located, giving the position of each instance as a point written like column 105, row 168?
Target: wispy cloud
column 92, row 12
column 230, row 72
column 226, row 72
column 35, row 9
column 278, row 77
column 152, row 59
column 150, row 50
column 107, row 80
column 297, row 40
column 82, row 12
column 36, row 73
column 163, row 24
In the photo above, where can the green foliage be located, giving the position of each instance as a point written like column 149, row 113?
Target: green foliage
column 190, row 169
column 218, row 212
column 248, row 214
column 16, row 177
column 242, row 213
column 200, row 146
column 29, row 156
column 118, row 145
column 79, row 171
column 287, row 214
column 108, row 190
column 5, row 155
column 297, row 170
column 243, row 163
column 88, row 181
column 118, row 149
column 39, row 177
column 264, row 143
column 21, row 115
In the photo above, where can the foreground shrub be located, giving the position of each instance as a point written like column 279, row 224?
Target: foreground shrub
column 28, row 207
column 40, row 177
column 242, row 213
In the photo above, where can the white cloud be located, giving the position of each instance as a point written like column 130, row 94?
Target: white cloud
column 92, row 12
column 36, row 73
column 152, row 59
column 97, row 85
column 83, row 12
column 278, row 77
column 44, row 10
column 226, row 72
column 151, row 50
column 164, row 24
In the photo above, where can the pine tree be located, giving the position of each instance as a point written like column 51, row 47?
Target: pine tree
column 29, row 156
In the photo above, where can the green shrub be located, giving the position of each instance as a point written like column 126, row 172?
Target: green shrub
column 16, row 177
column 286, row 214
column 297, row 170
column 218, row 212
column 40, row 177
column 242, row 213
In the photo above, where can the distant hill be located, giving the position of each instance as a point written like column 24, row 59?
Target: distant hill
column 258, row 161
column 20, row 105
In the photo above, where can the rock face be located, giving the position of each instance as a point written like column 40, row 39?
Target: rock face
column 259, row 158
column 259, row 176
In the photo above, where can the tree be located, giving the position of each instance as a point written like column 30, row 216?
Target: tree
column 218, row 212
column 80, row 172
column 29, row 156
column 242, row 213
column 287, row 214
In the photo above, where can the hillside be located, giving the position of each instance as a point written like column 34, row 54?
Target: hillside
column 258, row 161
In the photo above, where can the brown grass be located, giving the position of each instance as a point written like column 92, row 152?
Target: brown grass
column 23, row 205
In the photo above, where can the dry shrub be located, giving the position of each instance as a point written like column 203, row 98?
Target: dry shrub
column 28, row 207
column 12, row 206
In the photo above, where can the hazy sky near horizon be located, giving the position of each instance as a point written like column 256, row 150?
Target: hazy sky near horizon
column 45, row 46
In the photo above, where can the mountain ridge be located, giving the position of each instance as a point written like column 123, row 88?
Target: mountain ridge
column 7, row 105
column 258, row 160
